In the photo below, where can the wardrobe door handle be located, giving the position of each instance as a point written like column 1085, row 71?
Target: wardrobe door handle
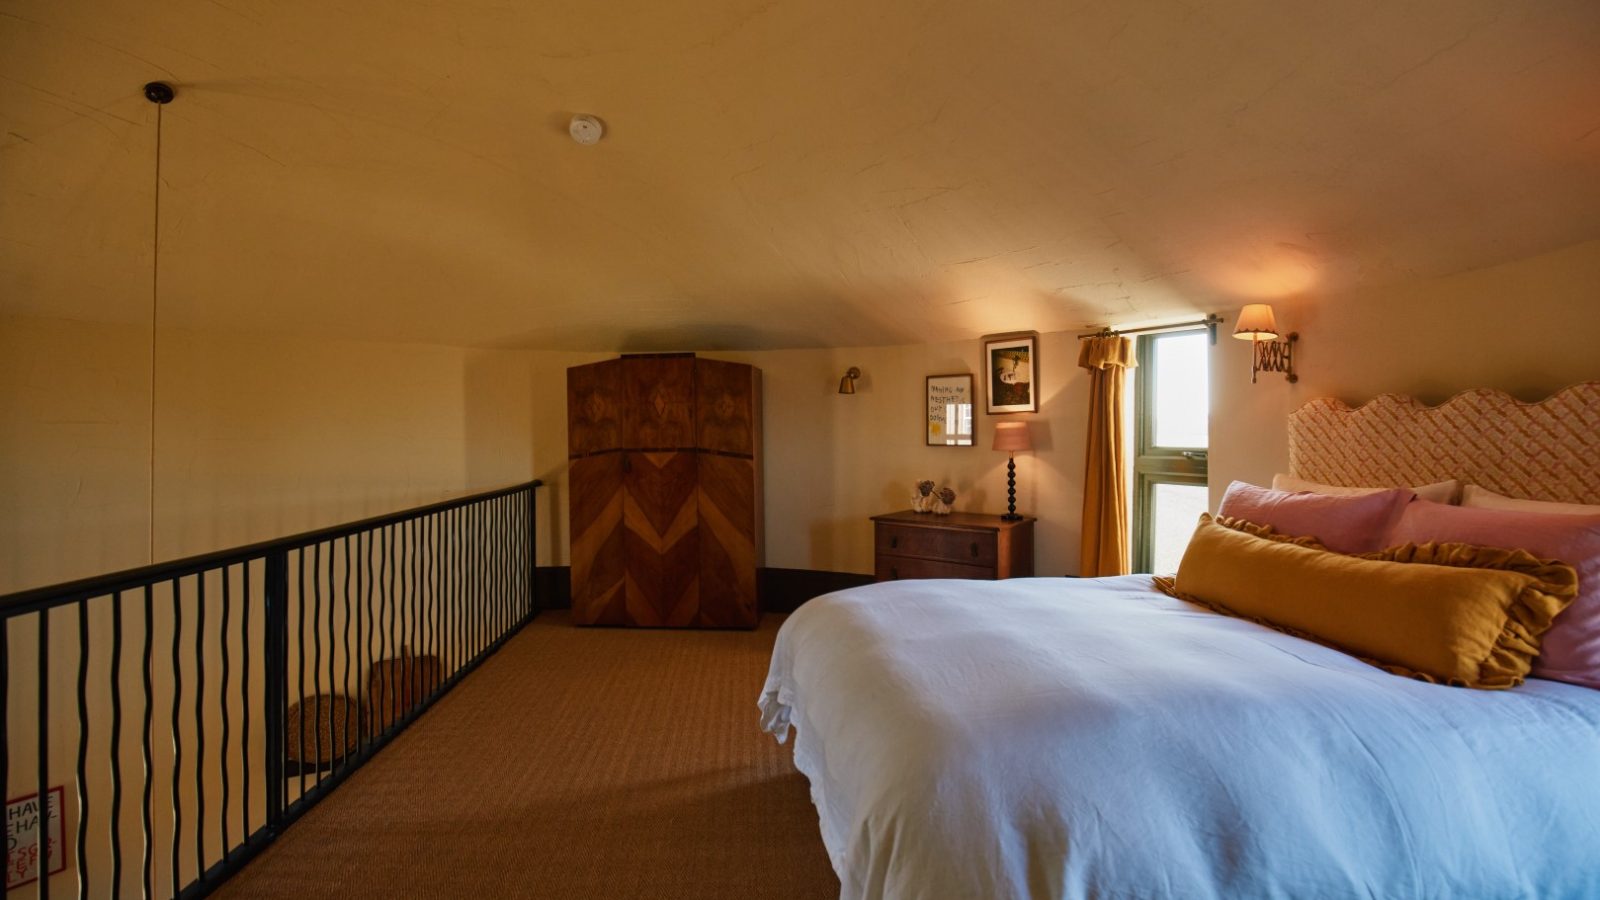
column 894, row 542
column 974, row 548
column 894, row 573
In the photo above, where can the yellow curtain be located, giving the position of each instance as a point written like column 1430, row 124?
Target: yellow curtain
column 1105, row 481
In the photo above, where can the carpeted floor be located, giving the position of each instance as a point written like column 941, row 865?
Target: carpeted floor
column 599, row 763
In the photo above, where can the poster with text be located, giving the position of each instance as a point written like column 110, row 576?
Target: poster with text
column 949, row 411
column 22, row 838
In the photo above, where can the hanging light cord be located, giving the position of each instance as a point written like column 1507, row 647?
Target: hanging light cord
column 160, row 94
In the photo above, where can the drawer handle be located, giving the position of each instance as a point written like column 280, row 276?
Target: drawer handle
column 894, row 542
column 974, row 548
column 894, row 573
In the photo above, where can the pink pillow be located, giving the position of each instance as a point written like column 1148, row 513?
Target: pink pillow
column 1571, row 648
column 1344, row 524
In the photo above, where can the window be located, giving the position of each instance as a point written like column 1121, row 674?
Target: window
column 1172, row 412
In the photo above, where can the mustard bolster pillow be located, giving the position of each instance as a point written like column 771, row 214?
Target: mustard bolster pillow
column 1452, row 613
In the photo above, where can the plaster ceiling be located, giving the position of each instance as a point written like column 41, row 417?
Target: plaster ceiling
column 777, row 174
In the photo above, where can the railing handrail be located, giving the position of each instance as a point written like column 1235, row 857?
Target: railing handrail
column 35, row 599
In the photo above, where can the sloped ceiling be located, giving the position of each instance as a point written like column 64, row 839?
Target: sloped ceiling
column 776, row 174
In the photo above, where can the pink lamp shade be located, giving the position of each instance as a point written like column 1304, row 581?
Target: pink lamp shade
column 1012, row 436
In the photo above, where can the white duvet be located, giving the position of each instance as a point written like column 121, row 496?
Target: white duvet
column 1093, row 738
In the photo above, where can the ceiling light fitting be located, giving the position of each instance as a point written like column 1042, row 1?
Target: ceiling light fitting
column 586, row 129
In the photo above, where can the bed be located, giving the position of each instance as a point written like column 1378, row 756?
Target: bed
column 1099, row 738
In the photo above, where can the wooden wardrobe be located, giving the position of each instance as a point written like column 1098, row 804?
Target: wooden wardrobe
column 665, row 491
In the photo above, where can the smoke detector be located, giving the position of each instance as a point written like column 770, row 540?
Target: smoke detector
column 586, row 130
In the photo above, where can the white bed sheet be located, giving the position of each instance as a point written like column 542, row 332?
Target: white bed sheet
column 1094, row 738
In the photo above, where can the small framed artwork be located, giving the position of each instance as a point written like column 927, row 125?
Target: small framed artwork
column 949, row 411
column 1011, row 373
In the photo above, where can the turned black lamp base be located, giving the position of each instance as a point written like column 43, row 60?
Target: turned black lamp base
column 1011, row 490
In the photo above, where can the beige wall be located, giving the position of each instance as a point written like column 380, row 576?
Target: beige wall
column 1529, row 327
column 832, row 461
column 256, row 437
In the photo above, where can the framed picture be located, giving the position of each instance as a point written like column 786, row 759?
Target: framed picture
column 1011, row 373
column 949, row 421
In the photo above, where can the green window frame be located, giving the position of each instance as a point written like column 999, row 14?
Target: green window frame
column 1153, row 464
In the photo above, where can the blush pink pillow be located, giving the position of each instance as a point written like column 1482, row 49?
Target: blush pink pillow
column 1571, row 648
column 1344, row 524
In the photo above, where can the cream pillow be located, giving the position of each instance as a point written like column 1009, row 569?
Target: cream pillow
column 1442, row 492
column 1483, row 498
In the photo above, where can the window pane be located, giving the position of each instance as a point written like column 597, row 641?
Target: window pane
column 1182, row 390
column 1175, row 509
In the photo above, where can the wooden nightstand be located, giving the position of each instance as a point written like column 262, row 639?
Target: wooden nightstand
column 960, row 545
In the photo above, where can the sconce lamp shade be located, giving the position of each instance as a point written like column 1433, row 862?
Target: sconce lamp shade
column 1012, row 436
column 847, row 384
column 1256, row 323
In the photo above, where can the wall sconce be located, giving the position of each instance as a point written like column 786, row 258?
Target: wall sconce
column 1011, row 437
column 1267, row 354
column 847, row 384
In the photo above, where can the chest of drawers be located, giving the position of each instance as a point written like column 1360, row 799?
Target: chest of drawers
column 960, row 545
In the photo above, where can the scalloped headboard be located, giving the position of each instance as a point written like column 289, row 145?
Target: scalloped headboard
column 1548, row 450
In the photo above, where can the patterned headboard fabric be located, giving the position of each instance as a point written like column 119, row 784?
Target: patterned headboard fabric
column 1540, row 451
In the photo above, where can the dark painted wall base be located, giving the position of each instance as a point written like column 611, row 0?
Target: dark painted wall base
column 781, row 590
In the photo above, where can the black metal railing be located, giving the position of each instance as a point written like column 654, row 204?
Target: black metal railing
column 193, row 709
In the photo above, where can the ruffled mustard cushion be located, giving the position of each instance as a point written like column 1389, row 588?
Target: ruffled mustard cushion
column 1445, row 613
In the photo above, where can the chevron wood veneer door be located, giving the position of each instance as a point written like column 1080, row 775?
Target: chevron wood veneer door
column 660, row 520
column 729, row 546
column 595, row 509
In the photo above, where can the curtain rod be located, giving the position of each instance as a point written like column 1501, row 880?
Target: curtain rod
column 1210, row 323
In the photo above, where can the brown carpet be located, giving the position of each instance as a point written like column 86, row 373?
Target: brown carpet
column 574, row 763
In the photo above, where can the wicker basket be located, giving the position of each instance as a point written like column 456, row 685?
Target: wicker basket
column 324, row 720
column 396, row 685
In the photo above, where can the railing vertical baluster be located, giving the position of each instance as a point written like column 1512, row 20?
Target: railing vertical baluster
column 275, row 615
column 391, row 636
column 200, row 727
column 300, row 667
column 116, row 743
column 485, row 560
column 316, row 662
column 331, row 607
column 41, row 828
column 83, row 752
column 223, row 701
column 177, row 742
column 435, row 645
column 497, row 576
column 497, row 594
column 386, row 624
column 535, row 602
column 349, row 607
column 5, row 713
column 415, row 605
column 245, row 747
column 473, row 571
column 363, row 640
column 484, row 587
column 452, row 588
column 147, row 855
column 5, row 716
